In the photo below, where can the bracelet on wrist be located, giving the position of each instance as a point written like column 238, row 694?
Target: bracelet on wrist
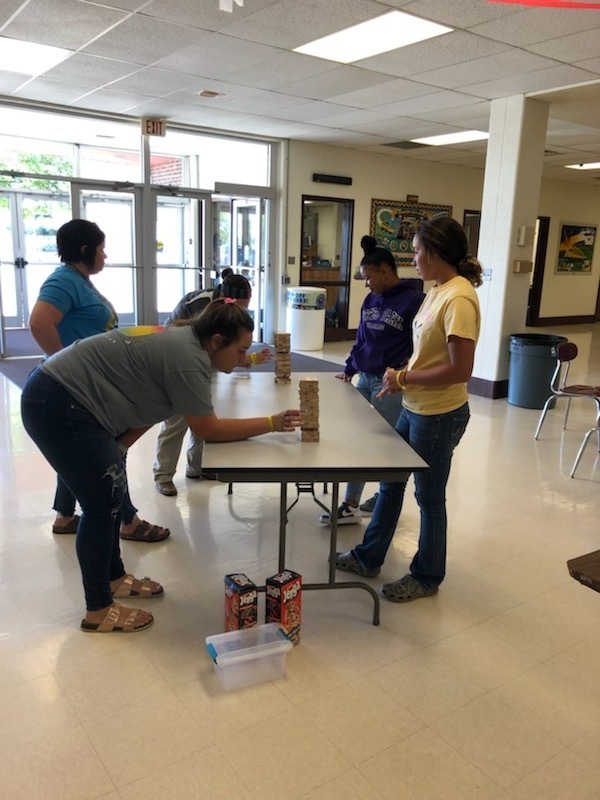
column 271, row 424
column 254, row 358
column 400, row 376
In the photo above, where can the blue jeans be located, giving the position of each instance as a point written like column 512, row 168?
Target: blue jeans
column 87, row 458
column 390, row 408
column 434, row 439
column 64, row 501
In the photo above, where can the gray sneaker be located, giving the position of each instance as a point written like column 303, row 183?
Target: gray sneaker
column 406, row 589
column 368, row 507
column 349, row 563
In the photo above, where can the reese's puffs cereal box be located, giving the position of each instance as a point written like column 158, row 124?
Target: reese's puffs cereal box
column 241, row 602
column 284, row 602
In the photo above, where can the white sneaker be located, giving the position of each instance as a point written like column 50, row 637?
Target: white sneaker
column 346, row 515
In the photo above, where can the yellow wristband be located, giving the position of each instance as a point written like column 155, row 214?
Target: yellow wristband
column 254, row 358
column 400, row 379
column 271, row 424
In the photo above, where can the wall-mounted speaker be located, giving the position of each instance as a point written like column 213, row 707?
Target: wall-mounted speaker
column 318, row 178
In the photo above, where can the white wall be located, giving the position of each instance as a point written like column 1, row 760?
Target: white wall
column 374, row 176
column 393, row 177
column 563, row 294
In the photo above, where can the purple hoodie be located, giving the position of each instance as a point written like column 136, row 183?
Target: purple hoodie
column 384, row 337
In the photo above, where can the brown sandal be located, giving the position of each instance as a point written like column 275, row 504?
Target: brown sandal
column 145, row 532
column 137, row 587
column 110, row 623
column 70, row 527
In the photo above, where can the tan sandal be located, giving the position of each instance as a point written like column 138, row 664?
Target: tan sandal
column 118, row 619
column 137, row 587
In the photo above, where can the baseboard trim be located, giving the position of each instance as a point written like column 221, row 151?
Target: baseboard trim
column 493, row 390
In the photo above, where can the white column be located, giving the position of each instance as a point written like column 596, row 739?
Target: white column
column 511, row 190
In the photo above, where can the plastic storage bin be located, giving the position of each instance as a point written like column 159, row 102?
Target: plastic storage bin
column 249, row 656
column 305, row 320
column 532, row 363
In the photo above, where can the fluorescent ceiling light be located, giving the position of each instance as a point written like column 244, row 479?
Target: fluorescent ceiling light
column 453, row 138
column 379, row 35
column 595, row 165
column 29, row 58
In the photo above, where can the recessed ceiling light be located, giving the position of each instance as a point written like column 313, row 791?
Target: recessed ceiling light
column 453, row 138
column 29, row 58
column 594, row 165
column 209, row 93
column 380, row 35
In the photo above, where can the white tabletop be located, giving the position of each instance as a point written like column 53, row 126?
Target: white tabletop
column 355, row 441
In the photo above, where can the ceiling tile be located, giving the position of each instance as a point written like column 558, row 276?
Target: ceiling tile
column 333, row 83
column 37, row 22
column 279, row 69
column 537, row 25
column 571, row 48
column 428, row 102
column 530, row 82
column 203, row 14
column 290, row 23
column 154, row 82
column 143, row 40
column 463, row 14
column 214, row 55
column 52, row 91
column 388, row 89
column 443, row 51
column 503, row 65
column 93, row 70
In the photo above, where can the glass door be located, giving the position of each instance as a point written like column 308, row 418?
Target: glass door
column 240, row 241
column 181, row 264
column 115, row 213
column 28, row 225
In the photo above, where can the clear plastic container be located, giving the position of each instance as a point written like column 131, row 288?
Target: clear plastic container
column 249, row 656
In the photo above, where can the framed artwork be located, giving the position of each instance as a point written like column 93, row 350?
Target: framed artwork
column 394, row 222
column 576, row 248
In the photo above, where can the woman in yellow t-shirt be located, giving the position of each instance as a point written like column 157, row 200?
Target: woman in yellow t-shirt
column 435, row 408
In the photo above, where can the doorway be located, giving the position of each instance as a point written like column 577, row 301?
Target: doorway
column 28, row 225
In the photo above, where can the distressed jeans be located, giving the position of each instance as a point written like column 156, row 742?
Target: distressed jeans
column 434, row 439
column 85, row 455
column 390, row 408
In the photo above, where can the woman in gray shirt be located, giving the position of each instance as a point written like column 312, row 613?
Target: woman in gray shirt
column 88, row 403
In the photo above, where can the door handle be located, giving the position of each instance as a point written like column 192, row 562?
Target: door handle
column 20, row 263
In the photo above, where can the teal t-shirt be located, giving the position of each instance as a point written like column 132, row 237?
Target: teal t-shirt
column 85, row 311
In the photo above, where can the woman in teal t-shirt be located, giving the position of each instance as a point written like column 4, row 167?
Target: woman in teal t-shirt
column 69, row 307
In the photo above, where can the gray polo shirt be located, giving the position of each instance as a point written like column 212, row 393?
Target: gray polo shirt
column 129, row 381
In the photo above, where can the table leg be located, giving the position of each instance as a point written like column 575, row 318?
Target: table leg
column 282, row 524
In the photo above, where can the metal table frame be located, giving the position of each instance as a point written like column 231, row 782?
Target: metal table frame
column 223, row 459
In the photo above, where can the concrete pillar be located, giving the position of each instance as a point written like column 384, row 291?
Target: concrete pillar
column 511, row 190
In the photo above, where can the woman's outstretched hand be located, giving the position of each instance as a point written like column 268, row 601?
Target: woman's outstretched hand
column 287, row 420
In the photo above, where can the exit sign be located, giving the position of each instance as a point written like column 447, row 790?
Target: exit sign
column 153, row 127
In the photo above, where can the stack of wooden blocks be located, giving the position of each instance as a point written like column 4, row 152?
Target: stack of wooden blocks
column 309, row 408
column 283, row 358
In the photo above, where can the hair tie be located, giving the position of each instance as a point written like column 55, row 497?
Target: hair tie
column 230, row 300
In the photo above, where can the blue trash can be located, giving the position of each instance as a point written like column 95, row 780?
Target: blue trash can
column 531, row 365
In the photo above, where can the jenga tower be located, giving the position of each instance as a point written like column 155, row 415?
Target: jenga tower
column 309, row 408
column 283, row 358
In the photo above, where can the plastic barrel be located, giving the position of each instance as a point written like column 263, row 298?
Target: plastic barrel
column 305, row 320
column 531, row 366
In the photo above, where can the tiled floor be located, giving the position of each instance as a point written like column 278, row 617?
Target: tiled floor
column 488, row 690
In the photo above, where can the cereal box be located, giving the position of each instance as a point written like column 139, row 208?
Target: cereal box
column 284, row 602
column 241, row 602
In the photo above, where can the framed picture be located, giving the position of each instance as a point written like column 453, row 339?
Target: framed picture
column 394, row 222
column 576, row 248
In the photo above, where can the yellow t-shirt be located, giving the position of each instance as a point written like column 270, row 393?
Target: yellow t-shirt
column 451, row 309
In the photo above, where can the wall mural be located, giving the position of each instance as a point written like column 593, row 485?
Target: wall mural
column 394, row 222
